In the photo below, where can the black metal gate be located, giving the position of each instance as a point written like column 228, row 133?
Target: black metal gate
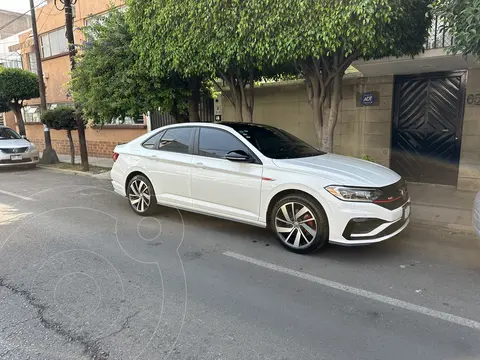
column 206, row 112
column 427, row 127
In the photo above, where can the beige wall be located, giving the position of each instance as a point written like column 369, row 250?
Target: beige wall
column 362, row 130
column 469, row 171
column 359, row 131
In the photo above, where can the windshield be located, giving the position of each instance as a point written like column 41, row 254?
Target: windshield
column 274, row 143
column 8, row 134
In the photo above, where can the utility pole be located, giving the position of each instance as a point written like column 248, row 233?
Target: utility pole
column 49, row 156
column 72, row 52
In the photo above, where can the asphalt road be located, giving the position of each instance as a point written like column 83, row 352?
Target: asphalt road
column 83, row 277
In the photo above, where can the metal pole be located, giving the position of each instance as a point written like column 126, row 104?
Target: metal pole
column 72, row 52
column 49, row 155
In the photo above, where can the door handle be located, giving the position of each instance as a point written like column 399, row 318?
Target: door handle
column 200, row 165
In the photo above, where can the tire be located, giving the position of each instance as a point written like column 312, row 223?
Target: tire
column 145, row 204
column 305, row 234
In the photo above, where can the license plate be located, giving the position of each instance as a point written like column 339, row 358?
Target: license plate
column 16, row 157
column 406, row 211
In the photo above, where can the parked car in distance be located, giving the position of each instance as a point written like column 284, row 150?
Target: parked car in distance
column 476, row 215
column 16, row 150
column 263, row 176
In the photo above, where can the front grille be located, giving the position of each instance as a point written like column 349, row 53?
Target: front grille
column 393, row 196
column 15, row 150
column 15, row 161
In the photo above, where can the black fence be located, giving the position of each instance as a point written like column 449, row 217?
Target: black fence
column 206, row 112
column 438, row 36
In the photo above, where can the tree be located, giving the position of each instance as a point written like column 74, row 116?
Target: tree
column 62, row 118
column 108, row 83
column 462, row 20
column 322, row 38
column 16, row 86
column 200, row 40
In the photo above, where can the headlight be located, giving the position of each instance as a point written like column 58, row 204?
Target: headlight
column 32, row 147
column 354, row 194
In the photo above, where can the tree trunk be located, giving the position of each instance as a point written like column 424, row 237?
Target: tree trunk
column 237, row 96
column 82, row 142
column 336, row 98
column 194, row 98
column 72, row 147
column 248, row 99
column 17, row 110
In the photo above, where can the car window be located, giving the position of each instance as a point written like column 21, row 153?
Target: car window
column 8, row 134
column 217, row 143
column 177, row 140
column 152, row 143
column 275, row 143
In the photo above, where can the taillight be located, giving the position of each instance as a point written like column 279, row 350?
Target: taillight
column 115, row 156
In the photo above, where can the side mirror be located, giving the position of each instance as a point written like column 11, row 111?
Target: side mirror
column 24, row 137
column 238, row 156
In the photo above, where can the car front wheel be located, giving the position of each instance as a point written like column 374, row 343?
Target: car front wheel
column 141, row 195
column 300, row 224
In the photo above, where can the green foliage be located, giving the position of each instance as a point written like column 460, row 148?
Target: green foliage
column 17, row 85
column 60, row 118
column 4, row 107
column 368, row 158
column 462, row 20
column 108, row 83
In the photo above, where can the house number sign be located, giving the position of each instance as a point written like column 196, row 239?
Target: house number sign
column 473, row 99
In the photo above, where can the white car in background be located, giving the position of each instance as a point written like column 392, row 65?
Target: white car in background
column 263, row 176
column 16, row 150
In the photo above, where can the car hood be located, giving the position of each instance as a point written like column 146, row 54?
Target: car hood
column 341, row 170
column 14, row 143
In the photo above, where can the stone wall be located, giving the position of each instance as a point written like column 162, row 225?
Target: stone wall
column 469, row 171
column 359, row 131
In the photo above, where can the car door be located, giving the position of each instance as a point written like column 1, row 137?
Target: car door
column 169, row 162
column 220, row 186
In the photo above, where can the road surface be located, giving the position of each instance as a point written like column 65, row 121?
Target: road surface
column 83, row 277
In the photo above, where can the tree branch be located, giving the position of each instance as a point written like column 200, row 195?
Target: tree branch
column 224, row 93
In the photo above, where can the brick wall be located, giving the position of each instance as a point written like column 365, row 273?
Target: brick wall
column 100, row 142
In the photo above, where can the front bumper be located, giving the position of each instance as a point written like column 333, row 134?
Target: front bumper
column 366, row 223
column 28, row 158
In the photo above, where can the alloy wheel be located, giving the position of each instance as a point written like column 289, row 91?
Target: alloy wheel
column 139, row 195
column 296, row 225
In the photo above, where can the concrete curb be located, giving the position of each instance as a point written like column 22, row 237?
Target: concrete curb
column 66, row 171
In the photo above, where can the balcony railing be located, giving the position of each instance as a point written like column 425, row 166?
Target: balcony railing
column 438, row 36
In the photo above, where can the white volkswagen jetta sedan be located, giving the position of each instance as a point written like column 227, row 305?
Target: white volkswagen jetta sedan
column 15, row 150
column 263, row 176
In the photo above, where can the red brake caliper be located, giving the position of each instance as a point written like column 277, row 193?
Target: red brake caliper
column 306, row 217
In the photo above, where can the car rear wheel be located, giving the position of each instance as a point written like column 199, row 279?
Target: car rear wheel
column 141, row 195
column 300, row 224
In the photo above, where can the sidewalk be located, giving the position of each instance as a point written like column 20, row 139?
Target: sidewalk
column 102, row 162
column 442, row 206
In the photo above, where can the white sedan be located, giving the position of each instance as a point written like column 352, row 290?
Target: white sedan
column 263, row 176
column 16, row 150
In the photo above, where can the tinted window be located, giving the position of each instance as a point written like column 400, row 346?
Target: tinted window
column 177, row 140
column 217, row 143
column 274, row 143
column 153, row 141
column 8, row 134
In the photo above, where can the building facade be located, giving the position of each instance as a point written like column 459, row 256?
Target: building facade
column 13, row 23
column 56, row 70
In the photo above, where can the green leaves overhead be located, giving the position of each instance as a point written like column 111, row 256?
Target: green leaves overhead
column 60, row 118
column 17, row 85
column 462, row 20
column 109, row 83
